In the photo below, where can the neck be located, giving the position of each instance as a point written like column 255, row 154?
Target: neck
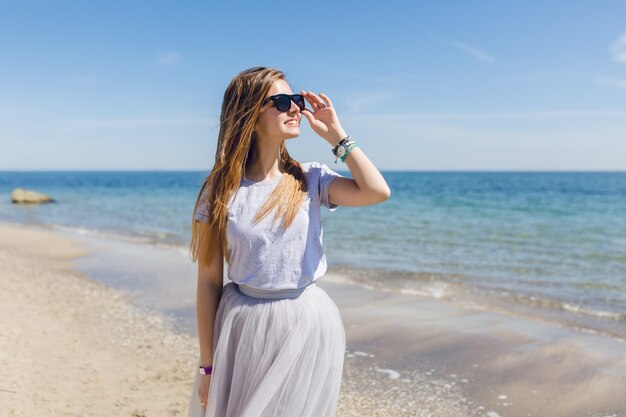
column 265, row 163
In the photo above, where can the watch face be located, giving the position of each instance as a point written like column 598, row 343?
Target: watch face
column 341, row 151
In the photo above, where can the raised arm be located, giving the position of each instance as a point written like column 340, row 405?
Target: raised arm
column 368, row 186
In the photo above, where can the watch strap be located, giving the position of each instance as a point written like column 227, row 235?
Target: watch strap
column 206, row 370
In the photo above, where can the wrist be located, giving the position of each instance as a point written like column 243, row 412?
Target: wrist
column 343, row 148
column 205, row 370
column 337, row 138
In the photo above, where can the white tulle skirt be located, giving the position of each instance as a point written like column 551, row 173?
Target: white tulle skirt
column 274, row 357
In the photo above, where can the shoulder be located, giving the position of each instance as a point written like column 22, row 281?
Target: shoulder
column 319, row 171
column 321, row 176
column 314, row 167
column 314, row 170
column 204, row 190
column 202, row 207
column 307, row 166
column 310, row 169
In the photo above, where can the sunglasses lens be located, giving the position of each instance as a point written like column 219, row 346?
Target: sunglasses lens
column 299, row 100
column 283, row 102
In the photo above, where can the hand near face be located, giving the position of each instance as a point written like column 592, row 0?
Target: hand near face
column 323, row 119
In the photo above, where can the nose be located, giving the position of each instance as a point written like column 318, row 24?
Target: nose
column 294, row 107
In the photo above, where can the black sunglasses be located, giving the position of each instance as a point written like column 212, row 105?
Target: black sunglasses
column 283, row 101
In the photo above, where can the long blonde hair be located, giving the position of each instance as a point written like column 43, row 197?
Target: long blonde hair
column 236, row 143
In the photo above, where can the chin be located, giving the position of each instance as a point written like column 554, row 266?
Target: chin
column 291, row 135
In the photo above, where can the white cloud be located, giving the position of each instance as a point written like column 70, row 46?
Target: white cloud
column 360, row 102
column 618, row 49
column 167, row 59
column 471, row 50
column 75, row 125
column 475, row 52
column 613, row 82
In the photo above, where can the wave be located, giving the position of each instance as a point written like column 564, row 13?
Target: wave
column 470, row 292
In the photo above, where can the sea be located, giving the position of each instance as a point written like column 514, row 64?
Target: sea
column 549, row 245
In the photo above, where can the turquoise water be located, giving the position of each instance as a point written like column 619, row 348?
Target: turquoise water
column 557, row 240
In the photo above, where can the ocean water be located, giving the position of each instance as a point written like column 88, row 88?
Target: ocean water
column 529, row 242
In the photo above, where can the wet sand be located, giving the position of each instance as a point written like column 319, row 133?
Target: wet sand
column 501, row 364
column 73, row 345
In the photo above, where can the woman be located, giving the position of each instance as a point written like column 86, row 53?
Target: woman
column 272, row 343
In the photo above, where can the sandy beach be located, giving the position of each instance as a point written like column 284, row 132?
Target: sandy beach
column 71, row 345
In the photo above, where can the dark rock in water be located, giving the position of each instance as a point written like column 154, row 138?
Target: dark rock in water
column 22, row 196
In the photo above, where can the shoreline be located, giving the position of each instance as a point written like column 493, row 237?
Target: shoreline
column 452, row 290
column 608, row 319
column 406, row 354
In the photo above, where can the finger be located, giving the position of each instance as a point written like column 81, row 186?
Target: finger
column 320, row 100
column 308, row 115
column 203, row 397
column 325, row 97
column 310, row 99
column 315, row 100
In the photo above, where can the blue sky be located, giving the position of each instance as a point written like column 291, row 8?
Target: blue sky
column 480, row 85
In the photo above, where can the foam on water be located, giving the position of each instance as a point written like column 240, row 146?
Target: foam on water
column 476, row 238
column 392, row 373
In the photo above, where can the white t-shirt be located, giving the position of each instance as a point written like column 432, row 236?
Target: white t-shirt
column 262, row 255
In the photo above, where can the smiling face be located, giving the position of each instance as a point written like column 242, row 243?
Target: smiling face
column 276, row 125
